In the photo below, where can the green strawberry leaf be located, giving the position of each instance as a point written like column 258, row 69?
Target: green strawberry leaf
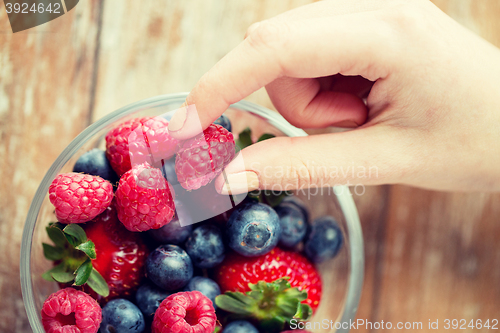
column 266, row 136
column 75, row 234
column 97, row 283
column 56, row 269
column 83, row 272
column 56, row 235
column 304, row 312
column 88, row 248
column 63, row 277
column 245, row 138
column 233, row 302
column 52, row 252
column 255, row 195
column 272, row 198
column 271, row 305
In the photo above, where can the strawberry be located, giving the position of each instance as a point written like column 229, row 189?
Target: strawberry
column 102, row 258
column 270, row 306
column 139, row 140
column 120, row 254
column 236, row 272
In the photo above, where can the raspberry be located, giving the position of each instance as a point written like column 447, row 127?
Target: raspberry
column 203, row 157
column 143, row 199
column 79, row 198
column 189, row 311
column 71, row 310
column 137, row 141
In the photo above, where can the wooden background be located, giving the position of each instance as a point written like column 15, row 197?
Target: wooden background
column 429, row 255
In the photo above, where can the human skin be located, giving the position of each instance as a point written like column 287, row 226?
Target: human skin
column 420, row 93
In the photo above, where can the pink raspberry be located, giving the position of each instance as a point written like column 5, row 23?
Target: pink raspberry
column 185, row 312
column 70, row 311
column 144, row 199
column 203, row 157
column 78, row 197
column 137, row 141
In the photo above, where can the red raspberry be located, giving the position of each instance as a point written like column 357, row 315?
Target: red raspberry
column 143, row 199
column 185, row 312
column 203, row 157
column 137, row 141
column 78, row 197
column 71, row 310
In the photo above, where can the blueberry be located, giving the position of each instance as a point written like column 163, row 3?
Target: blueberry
column 168, row 171
column 253, row 229
column 120, row 315
column 324, row 240
column 94, row 162
column 205, row 246
column 206, row 286
column 293, row 224
column 293, row 200
column 224, row 122
column 169, row 267
column 148, row 298
column 173, row 232
column 240, row 326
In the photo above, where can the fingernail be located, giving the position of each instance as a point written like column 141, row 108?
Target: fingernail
column 178, row 119
column 240, row 182
column 346, row 124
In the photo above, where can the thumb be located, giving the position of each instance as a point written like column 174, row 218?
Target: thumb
column 365, row 156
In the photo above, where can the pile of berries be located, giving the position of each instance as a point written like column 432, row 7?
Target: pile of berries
column 128, row 258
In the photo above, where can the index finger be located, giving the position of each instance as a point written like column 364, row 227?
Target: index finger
column 354, row 44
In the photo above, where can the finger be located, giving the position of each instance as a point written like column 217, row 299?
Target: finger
column 357, row 44
column 365, row 156
column 305, row 105
column 334, row 8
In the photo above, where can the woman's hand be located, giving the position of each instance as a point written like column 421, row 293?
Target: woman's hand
column 432, row 91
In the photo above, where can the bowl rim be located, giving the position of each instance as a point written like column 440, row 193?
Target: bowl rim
column 346, row 202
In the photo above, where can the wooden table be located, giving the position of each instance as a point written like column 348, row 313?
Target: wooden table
column 429, row 255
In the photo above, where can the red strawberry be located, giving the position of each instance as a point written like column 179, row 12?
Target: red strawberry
column 203, row 157
column 137, row 141
column 71, row 310
column 79, row 198
column 120, row 255
column 144, row 199
column 185, row 312
column 236, row 272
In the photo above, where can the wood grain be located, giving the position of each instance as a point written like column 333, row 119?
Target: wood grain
column 429, row 255
column 45, row 95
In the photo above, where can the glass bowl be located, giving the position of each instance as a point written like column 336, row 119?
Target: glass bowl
column 342, row 276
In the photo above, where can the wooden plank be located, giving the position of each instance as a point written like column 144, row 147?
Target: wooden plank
column 441, row 258
column 45, row 96
column 150, row 48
